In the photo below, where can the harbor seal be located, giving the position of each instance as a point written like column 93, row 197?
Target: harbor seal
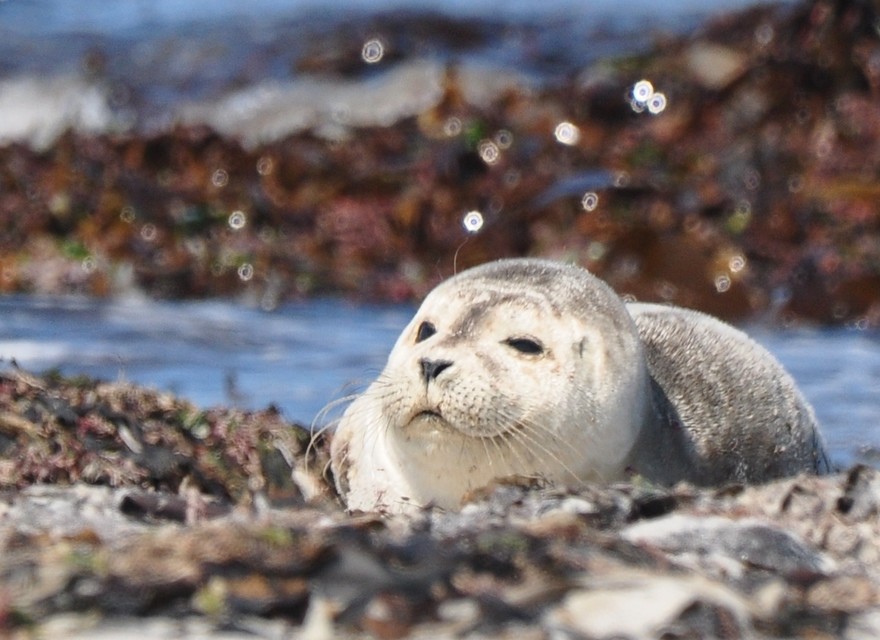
column 534, row 368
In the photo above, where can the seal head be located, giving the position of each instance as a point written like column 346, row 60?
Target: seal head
column 517, row 367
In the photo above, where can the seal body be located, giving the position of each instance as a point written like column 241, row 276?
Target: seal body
column 535, row 368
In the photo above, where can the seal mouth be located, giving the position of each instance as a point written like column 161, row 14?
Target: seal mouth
column 434, row 421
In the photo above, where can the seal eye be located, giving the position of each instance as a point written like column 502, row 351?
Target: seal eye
column 426, row 330
column 525, row 345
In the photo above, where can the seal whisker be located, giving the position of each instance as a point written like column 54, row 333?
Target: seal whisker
column 558, row 438
column 316, row 432
column 530, row 434
column 510, row 469
column 498, row 440
column 489, row 458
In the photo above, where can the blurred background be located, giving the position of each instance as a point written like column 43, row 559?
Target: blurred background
column 243, row 202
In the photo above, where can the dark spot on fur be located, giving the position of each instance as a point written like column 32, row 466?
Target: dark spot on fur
column 468, row 322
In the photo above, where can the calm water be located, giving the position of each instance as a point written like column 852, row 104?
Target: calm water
column 39, row 17
column 302, row 356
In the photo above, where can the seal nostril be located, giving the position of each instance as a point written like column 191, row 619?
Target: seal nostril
column 432, row 368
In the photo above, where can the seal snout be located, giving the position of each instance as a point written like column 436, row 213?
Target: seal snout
column 432, row 368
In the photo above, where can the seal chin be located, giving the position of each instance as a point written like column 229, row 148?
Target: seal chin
column 427, row 421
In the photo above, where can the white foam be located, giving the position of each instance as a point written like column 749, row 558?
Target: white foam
column 34, row 353
column 37, row 110
column 271, row 110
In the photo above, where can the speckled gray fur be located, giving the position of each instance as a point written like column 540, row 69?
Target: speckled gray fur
column 722, row 401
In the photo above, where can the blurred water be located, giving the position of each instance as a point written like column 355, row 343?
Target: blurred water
column 37, row 17
column 304, row 355
column 144, row 65
column 299, row 357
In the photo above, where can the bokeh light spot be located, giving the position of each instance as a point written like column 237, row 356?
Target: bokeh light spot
column 642, row 91
column 567, row 133
column 148, row 232
column 472, row 221
column 488, row 151
column 504, row 139
column 590, row 201
column 373, row 51
column 237, row 220
column 644, row 97
column 452, row 127
column 265, row 166
column 737, row 263
column 657, row 103
column 220, row 178
column 246, row 271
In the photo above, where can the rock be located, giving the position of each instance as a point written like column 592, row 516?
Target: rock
column 230, row 548
column 791, row 558
column 724, row 546
column 37, row 111
column 715, row 66
column 644, row 605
